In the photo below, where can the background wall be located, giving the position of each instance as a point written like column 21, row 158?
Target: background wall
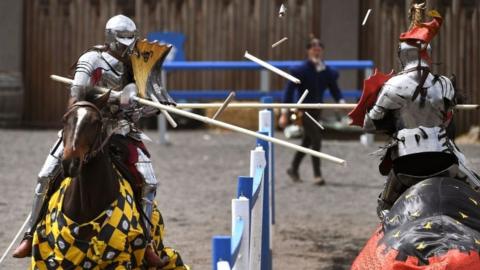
column 57, row 31
column 11, row 81
column 340, row 22
column 11, row 33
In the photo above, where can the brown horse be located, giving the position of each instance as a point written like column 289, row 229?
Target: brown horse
column 92, row 219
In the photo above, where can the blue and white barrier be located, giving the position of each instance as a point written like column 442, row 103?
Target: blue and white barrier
column 249, row 245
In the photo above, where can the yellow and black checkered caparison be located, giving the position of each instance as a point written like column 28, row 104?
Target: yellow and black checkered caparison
column 119, row 241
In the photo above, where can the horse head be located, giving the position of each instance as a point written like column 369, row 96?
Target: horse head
column 82, row 133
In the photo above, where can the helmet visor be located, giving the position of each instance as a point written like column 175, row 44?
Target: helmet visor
column 126, row 37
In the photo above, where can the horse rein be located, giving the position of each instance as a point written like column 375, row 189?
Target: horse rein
column 85, row 104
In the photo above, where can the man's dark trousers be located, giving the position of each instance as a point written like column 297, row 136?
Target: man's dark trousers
column 312, row 138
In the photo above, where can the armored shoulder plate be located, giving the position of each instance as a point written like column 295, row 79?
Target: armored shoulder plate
column 88, row 62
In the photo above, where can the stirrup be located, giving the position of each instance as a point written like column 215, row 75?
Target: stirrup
column 27, row 236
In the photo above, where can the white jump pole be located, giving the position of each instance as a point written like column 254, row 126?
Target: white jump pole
column 221, row 124
column 241, row 209
column 257, row 161
column 264, row 120
column 223, row 265
column 322, row 106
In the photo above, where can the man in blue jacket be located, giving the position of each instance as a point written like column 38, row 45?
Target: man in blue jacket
column 316, row 77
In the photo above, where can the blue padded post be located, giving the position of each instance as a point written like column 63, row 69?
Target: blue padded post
column 245, row 187
column 221, row 246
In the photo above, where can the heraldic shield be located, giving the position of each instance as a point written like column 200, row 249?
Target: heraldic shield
column 371, row 89
column 147, row 59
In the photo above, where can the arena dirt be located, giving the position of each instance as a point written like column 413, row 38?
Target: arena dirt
column 316, row 227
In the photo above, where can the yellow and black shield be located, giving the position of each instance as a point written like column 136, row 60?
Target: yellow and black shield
column 147, row 60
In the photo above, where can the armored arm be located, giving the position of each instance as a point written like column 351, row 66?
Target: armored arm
column 158, row 93
column 86, row 75
column 380, row 118
column 135, row 111
column 449, row 95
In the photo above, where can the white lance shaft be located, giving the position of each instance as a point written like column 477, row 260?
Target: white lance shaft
column 241, row 130
column 302, row 98
column 272, row 68
column 15, row 238
column 256, row 105
column 300, row 101
column 222, row 125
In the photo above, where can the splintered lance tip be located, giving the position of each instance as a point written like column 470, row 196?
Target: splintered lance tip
column 279, row 42
column 282, row 11
column 366, row 17
column 272, row 68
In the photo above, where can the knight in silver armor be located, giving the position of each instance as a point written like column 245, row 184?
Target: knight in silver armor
column 414, row 108
column 107, row 66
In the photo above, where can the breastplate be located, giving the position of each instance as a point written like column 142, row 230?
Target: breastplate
column 114, row 73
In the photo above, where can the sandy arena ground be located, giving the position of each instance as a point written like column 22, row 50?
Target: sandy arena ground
column 317, row 227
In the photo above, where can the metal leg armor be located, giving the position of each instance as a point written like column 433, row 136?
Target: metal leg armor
column 50, row 170
column 149, row 189
column 392, row 190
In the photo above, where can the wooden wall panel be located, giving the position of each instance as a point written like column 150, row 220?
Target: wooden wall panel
column 58, row 31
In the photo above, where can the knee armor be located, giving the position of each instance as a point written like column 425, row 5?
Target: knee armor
column 149, row 189
column 50, row 170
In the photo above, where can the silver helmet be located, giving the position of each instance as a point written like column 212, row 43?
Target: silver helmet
column 408, row 54
column 120, row 34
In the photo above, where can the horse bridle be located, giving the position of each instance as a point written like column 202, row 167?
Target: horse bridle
column 98, row 139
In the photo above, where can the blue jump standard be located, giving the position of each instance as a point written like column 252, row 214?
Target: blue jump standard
column 266, row 262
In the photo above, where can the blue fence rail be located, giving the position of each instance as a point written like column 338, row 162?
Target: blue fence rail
column 248, row 65
column 196, row 95
column 249, row 245
column 193, row 94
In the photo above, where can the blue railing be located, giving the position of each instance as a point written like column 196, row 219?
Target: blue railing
column 193, row 94
column 248, row 65
column 246, row 94
column 264, row 89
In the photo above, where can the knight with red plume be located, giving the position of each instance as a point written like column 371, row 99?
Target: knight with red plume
column 413, row 107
